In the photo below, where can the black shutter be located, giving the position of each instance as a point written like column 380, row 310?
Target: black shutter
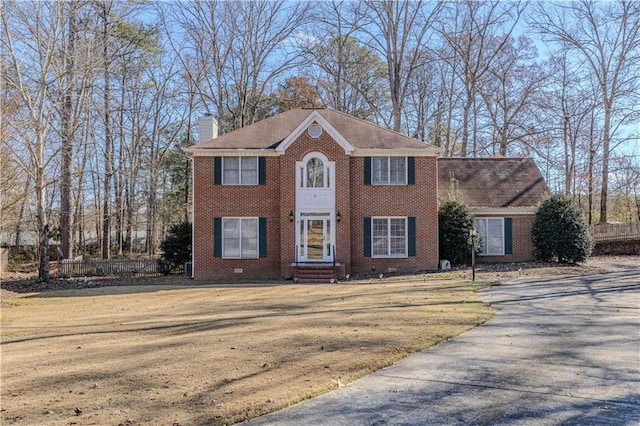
column 262, row 237
column 508, row 235
column 262, row 171
column 217, row 170
column 367, row 236
column 411, row 170
column 217, row 237
column 367, row 170
column 411, row 234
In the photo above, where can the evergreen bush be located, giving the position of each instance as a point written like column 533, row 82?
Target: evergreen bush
column 176, row 247
column 560, row 231
column 455, row 220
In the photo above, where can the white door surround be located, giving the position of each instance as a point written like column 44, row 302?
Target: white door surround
column 315, row 208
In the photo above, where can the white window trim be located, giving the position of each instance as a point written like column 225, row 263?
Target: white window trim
column 388, row 180
column 486, row 219
column 240, row 218
column 240, row 183
column 328, row 179
column 405, row 255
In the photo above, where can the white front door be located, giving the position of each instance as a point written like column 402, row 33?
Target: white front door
column 314, row 238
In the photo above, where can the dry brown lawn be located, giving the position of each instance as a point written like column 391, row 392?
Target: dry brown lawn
column 188, row 354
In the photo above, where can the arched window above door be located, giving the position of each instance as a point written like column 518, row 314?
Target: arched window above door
column 314, row 171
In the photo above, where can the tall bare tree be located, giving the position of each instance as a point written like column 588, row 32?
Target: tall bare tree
column 507, row 90
column 606, row 38
column 30, row 40
column 475, row 32
column 235, row 52
column 399, row 31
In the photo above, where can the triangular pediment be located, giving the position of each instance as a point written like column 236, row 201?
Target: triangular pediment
column 315, row 117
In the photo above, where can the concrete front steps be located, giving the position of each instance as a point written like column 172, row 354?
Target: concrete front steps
column 314, row 273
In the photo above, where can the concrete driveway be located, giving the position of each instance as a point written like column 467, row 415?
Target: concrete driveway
column 560, row 350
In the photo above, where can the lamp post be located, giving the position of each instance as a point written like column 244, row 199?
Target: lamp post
column 473, row 234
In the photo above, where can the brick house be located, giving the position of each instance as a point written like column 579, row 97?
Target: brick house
column 504, row 194
column 310, row 193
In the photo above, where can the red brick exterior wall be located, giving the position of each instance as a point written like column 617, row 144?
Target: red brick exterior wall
column 276, row 200
column 419, row 200
column 212, row 201
column 523, row 249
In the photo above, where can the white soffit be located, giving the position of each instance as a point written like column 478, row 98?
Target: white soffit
column 503, row 211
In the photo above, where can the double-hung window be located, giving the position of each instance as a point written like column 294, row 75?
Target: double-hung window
column 240, row 170
column 240, row 238
column 389, row 236
column 491, row 233
column 389, row 170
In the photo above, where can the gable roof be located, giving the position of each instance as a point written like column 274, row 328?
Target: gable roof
column 493, row 182
column 269, row 133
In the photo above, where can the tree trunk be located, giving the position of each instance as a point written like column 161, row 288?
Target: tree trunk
column 66, row 224
column 604, row 193
column 108, row 161
column 592, row 154
column 43, row 226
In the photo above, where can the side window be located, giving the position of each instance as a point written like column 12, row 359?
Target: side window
column 239, row 237
column 239, row 170
column 389, row 237
column 491, row 233
column 389, row 170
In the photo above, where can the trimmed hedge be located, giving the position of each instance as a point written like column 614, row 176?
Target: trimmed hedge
column 560, row 231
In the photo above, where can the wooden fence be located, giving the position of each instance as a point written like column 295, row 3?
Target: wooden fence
column 615, row 232
column 98, row 267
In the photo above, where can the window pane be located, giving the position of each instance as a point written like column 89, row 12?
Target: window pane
column 231, row 237
column 249, row 241
column 482, row 234
column 398, row 170
column 303, row 243
column 398, row 226
column 398, row 236
column 494, row 236
column 231, row 171
column 380, row 238
column 380, row 170
column 398, row 246
column 249, row 170
column 491, row 235
column 315, row 173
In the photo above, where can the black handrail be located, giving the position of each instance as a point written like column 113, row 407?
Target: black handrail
column 335, row 271
column 295, row 271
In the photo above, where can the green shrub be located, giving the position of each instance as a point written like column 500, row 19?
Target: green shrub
column 455, row 220
column 176, row 247
column 560, row 231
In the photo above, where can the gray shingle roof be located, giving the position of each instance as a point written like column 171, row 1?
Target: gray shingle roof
column 268, row 133
column 492, row 182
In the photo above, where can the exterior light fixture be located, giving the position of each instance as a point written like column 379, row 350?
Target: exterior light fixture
column 291, row 216
column 338, row 217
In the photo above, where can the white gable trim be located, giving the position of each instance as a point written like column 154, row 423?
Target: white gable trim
column 318, row 118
